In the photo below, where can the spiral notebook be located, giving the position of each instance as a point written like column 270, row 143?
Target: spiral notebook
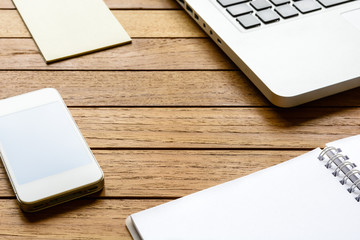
column 313, row 196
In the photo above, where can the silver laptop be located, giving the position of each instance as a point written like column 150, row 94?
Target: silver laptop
column 294, row 51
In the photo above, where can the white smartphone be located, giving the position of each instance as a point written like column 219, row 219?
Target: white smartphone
column 45, row 156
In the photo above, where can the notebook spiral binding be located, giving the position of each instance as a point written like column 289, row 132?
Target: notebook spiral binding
column 344, row 166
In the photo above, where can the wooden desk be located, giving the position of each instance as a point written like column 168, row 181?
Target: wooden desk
column 166, row 116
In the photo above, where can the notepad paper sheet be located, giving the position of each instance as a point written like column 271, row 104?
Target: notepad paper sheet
column 67, row 28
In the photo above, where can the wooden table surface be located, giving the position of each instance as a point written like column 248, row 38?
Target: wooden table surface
column 165, row 116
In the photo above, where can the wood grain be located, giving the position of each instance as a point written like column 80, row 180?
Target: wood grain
column 11, row 24
column 159, row 24
column 139, row 23
column 120, row 4
column 172, row 173
column 139, row 88
column 6, row 4
column 141, row 4
column 266, row 128
column 79, row 219
column 142, row 54
column 151, row 88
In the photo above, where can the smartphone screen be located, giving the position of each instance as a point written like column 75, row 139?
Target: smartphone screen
column 41, row 142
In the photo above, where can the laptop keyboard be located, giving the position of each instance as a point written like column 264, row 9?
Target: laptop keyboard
column 254, row 13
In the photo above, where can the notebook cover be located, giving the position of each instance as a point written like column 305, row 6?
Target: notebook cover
column 67, row 28
column 298, row 199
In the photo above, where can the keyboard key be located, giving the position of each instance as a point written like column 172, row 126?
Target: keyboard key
column 286, row 11
column 268, row 16
column 239, row 9
column 279, row 2
column 306, row 6
column 260, row 4
column 330, row 3
column 226, row 3
column 248, row 21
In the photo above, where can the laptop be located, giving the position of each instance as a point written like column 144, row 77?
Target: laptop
column 294, row 51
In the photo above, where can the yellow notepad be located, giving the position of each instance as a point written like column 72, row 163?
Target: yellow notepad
column 67, row 28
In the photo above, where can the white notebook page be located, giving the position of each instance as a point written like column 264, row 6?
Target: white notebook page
column 298, row 199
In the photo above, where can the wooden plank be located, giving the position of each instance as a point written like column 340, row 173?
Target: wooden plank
column 11, row 24
column 156, row 173
column 151, row 88
column 120, row 4
column 80, row 219
column 155, row 23
column 141, row 4
column 215, row 127
column 141, row 88
column 6, row 4
column 159, row 24
column 230, row 128
column 142, row 54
